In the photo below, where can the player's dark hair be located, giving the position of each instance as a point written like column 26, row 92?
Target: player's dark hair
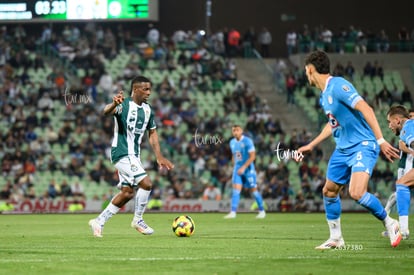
column 139, row 79
column 320, row 60
column 398, row 110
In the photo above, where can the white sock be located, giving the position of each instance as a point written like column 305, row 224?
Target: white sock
column 107, row 213
column 141, row 200
column 403, row 223
column 388, row 220
column 390, row 202
column 335, row 229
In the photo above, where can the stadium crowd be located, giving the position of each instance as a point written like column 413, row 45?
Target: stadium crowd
column 351, row 39
column 52, row 125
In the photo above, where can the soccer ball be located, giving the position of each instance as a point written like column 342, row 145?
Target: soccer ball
column 183, row 226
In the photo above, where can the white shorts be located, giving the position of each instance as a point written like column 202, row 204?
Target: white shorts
column 409, row 163
column 130, row 171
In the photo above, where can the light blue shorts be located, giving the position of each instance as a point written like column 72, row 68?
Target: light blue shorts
column 344, row 162
column 248, row 179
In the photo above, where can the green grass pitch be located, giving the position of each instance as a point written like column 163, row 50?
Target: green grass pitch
column 279, row 244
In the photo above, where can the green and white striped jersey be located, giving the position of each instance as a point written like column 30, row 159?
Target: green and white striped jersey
column 405, row 164
column 131, row 121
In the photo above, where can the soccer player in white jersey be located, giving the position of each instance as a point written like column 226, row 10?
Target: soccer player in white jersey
column 358, row 137
column 401, row 125
column 133, row 117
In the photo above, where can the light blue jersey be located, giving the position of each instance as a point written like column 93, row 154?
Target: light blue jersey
column 407, row 132
column 349, row 127
column 241, row 152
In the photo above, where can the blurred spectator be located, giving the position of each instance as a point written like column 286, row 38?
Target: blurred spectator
column 77, row 189
column 285, row 204
column 65, row 189
column 233, row 42
column 406, row 96
column 291, row 42
column 349, row 70
column 403, row 39
column 53, row 190
column 301, row 204
column 265, row 40
column 45, row 103
column 153, row 35
column 383, row 42
column 6, row 191
column 249, row 41
column 211, row 192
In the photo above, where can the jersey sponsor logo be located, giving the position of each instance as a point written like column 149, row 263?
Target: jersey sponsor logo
column 332, row 120
column 330, row 99
column 238, row 155
column 138, row 131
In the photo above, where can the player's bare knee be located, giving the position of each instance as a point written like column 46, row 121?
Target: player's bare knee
column 127, row 194
column 355, row 195
column 146, row 184
column 329, row 193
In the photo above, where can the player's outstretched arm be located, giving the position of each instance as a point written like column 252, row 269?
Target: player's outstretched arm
column 324, row 134
column 154, row 142
column 387, row 149
column 110, row 108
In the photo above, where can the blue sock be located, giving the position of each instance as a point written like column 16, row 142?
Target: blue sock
column 332, row 207
column 235, row 198
column 259, row 200
column 403, row 199
column 374, row 205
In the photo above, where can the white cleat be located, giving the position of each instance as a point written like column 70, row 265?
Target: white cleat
column 142, row 227
column 97, row 229
column 331, row 244
column 231, row 215
column 261, row 215
column 394, row 233
column 405, row 235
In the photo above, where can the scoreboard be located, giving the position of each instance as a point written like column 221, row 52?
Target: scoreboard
column 77, row 10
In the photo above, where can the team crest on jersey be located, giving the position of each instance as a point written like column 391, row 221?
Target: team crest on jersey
column 330, row 100
column 402, row 133
column 134, row 168
column 346, row 88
